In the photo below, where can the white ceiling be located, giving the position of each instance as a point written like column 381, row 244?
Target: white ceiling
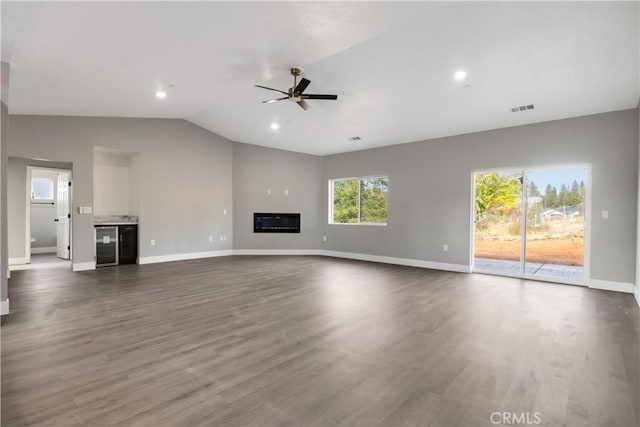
column 390, row 63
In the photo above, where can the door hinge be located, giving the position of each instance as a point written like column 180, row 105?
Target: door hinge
column 69, row 183
column 69, row 215
column 68, row 248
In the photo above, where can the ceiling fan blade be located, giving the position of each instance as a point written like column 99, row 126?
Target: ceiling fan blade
column 269, row 101
column 302, row 103
column 315, row 96
column 302, row 85
column 270, row 88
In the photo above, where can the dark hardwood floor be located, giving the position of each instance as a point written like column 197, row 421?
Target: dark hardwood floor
column 313, row 341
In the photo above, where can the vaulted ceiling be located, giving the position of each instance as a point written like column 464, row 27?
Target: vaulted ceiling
column 391, row 63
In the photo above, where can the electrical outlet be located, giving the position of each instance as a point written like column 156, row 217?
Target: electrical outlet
column 268, row 191
column 605, row 214
column 210, row 238
column 224, row 211
column 324, row 238
column 286, row 192
column 153, row 242
column 221, row 238
column 445, row 247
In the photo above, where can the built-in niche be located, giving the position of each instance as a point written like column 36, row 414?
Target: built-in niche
column 115, row 182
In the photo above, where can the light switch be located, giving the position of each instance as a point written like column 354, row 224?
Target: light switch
column 605, row 214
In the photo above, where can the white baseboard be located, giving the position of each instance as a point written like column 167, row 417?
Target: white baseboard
column 18, row 261
column 45, row 250
column 83, row 266
column 459, row 268
column 183, row 257
column 608, row 285
column 4, row 307
column 277, row 252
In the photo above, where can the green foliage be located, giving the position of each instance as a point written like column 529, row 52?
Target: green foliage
column 345, row 201
column 373, row 200
column 369, row 193
column 533, row 190
column 567, row 196
column 496, row 195
column 550, row 198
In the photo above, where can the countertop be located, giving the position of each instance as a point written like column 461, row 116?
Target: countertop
column 100, row 220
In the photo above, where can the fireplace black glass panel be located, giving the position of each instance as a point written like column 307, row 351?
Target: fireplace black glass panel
column 276, row 222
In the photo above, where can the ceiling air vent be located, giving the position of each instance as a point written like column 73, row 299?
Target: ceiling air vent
column 355, row 138
column 522, row 108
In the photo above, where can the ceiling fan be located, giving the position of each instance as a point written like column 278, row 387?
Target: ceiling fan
column 296, row 92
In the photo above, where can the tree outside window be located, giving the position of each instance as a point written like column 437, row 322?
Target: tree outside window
column 360, row 200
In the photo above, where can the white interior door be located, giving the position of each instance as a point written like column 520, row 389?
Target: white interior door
column 63, row 214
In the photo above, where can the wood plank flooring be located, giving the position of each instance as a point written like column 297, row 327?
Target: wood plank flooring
column 312, row 341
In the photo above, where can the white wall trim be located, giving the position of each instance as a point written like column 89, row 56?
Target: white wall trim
column 183, row 257
column 4, row 307
column 459, row 268
column 278, row 252
column 18, row 261
column 83, row 266
column 608, row 285
column 45, row 250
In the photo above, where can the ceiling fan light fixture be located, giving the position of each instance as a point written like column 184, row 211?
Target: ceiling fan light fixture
column 160, row 94
column 296, row 93
column 275, row 126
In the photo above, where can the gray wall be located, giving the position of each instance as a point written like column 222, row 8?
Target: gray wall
column 43, row 227
column 638, row 223
column 17, row 201
column 430, row 188
column 185, row 176
column 258, row 169
column 4, row 121
column 187, row 180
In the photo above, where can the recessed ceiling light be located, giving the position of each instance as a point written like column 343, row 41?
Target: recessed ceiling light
column 275, row 126
column 460, row 75
column 161, row 94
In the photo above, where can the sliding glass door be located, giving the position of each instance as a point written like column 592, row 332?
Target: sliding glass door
column 531, row 223
column 498, row 210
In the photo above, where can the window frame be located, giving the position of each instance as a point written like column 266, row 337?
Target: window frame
column 358, row 201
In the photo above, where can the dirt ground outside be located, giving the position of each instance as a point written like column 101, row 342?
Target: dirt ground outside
column 560, row 242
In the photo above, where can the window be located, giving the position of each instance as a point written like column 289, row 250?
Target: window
column 359, row 200
column 41, row 190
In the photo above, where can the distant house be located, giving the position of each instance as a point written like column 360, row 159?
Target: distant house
column 563, row 212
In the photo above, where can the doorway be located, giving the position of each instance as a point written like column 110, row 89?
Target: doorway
column 532, row 223
column 48, row 225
